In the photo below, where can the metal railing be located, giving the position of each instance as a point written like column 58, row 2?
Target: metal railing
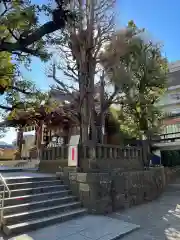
column 5, row 188
column 167, row 137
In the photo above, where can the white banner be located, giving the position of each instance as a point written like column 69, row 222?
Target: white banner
column 73, row 156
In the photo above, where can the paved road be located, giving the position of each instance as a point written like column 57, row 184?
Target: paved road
column 159, row 219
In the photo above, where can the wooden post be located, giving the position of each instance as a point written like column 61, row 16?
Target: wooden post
column 39, row 137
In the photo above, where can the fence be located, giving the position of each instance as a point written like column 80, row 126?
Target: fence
column 102, row 151
column 101, row 157
column 110, row 157
column 106, row 151
column 54, row 153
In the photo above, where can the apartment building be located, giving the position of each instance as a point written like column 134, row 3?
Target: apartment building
column 170, row 101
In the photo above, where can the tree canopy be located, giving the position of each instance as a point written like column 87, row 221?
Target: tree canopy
column 133, row 66
column 78, row 58
column 22, row 36
column 21, row 30
column 148, row 75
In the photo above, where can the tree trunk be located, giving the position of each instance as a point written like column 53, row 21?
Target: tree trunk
column 91, row 103
column 84, row 114
column 19, row 141
column 39, row 139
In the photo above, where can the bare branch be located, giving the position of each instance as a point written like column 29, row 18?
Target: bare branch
column 62, row 85
column 5, row 9
column 70, row 75
column 20, row 90
column 79, row 55
column 60, row 17
column 21, row 44
column 6, row 108
column 12, row 33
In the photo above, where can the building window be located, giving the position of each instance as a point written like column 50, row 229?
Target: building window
column 173, row 128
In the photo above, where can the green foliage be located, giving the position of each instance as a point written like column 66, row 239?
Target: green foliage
column 23, row 36
column 17, row 20
column 7, row 69
column 2, row 132
column 129, row 123
column 147, row 70
column 21, row 18
column 123, row 127
column 19, row 101
column 125, row 122
column 149, row 76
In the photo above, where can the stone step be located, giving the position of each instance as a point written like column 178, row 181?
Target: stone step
column 38, row 204
column 42, row 189
column 23, row 185
column 42, row 222
column 21, row 179
column 174, row 185
column 35, row 197
column 172, row 192
column 40, row 212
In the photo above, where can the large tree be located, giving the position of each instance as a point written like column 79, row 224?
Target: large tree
column 22, row 36
column 21, row 31
column 148, row 81
column 79, row 59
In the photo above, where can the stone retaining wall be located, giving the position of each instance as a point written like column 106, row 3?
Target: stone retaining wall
column 171, row 173
column 52, row 166
column 103, row 193
column 110, row 164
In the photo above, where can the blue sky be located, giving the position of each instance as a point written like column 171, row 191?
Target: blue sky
column 161, row 18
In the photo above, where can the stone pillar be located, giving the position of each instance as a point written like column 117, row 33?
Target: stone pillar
column 94, row 190
column 145, row 152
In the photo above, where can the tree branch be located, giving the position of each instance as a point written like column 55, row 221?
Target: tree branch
column 109, row 101
column 64, row 87
column 20, row 90
column 12, row 33
column 70, row 75
column 60, row 17
column 21, row 44
column 5, row 8
column 6, row 108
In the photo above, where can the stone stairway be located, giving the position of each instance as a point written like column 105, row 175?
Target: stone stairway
column 37, row 202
